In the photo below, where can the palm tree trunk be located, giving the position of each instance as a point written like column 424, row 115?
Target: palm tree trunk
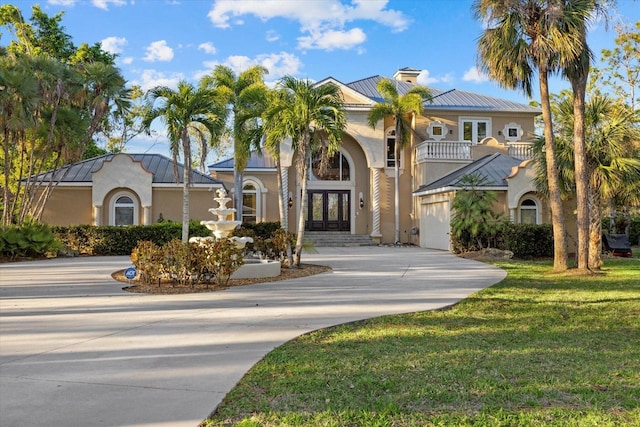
column 304, row 153
column 186, row 177
column 396, row 236
column 595, row 231
column 581, row 175
column 281, row 204
column 237, row 192
column 555, row 200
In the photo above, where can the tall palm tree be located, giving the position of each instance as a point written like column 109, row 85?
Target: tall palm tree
column 402, row 107
column 182, row 110
column 521, row 37
column 245, row 94
column 612, row 163
column 577, row 71
column 311, row 116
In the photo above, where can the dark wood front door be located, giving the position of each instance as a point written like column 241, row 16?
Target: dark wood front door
column 328, row 210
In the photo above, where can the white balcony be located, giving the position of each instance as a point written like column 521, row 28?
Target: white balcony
column 462, row 150
column 521, row 150
column 443, row 150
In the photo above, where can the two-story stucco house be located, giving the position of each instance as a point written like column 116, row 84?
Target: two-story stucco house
column 458, row 133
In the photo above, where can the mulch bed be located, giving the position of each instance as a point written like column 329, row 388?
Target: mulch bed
column 169, row 287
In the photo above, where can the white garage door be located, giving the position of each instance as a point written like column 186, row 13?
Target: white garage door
column 434, row 225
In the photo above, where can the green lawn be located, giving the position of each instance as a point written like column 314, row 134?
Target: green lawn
column 535, row 349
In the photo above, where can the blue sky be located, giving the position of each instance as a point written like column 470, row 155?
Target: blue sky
column 164, row 41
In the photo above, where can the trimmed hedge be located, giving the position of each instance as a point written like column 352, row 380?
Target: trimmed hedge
column 524, row 240
column 112, row 240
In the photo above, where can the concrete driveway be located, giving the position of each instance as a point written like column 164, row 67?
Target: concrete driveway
column 76, row 350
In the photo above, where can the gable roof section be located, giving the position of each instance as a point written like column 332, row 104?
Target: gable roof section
column 257, row 161
column 161, row 168
column 494, row 168
column 452, row 99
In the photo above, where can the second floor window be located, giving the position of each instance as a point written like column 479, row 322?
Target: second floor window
column 475, row 130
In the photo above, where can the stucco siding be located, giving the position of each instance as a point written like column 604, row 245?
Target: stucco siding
column 69, row 206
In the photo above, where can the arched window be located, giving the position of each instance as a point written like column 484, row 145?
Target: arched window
column 249, row 203
column 124, row 210
column 336, row 169
column 528, row 211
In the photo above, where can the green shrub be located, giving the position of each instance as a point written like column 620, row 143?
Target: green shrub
column 204, row 261
column 528, row 240
column 31, row 240
column 112, row 240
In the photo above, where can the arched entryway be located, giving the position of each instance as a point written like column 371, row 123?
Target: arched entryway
column 330, row 193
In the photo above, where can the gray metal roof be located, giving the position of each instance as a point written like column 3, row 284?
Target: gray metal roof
column 452, row 99
column 494, row 168
column 160, row 166
column 257, row 161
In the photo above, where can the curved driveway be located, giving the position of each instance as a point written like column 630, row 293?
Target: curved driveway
column 76, row 350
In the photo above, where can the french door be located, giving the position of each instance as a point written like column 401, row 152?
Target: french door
column 328, row 210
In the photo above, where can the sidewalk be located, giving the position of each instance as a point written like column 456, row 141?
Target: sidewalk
column 76, row 350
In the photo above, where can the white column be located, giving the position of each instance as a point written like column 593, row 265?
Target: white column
column 146, row 215
column 284, row 173
column 97, row 214
column 512, row 214
column 375, row 205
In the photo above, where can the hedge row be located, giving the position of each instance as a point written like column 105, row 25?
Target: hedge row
column 524, row 240
column 112, row 240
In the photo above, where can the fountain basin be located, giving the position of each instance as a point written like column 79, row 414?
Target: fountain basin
column 257, row 268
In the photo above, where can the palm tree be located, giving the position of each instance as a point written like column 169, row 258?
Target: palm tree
column 612, row 163
column 246, row 95
column 577, row 71
column 311, row 116
column 183, row 110
column 402, row 108
column 524, row 36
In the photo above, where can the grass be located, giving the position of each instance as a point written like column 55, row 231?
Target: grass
column 535, row 349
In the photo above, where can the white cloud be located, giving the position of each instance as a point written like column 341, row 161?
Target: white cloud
column 322, row 22
column 152, row 78
column 104, row 4
column 332, row 39
column 474, row 75
column 113, row 44
column 278, row 64
column 272, row 36
column 62, row 2
column 425, row 78
column 127, row 60
column 208, row 47
column 158, row 51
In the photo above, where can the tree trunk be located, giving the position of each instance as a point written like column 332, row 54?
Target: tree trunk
column 555, row 200
column 186, row 178
column 396, row 169
column 237, row 192
column 581, row 176
column 304, row 152
column 595, row 231
column 282, row 204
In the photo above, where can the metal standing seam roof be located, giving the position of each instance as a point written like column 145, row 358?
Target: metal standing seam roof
column 161, row 167
column 256, row 161
column 494, row 168
column 452, row 99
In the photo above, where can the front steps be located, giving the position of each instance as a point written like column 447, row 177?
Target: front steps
column 337, row 239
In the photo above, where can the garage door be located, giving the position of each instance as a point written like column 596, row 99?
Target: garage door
column 434, row 225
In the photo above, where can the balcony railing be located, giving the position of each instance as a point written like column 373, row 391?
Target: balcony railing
column 521, row 150
column 461, row 150
column 443, row 150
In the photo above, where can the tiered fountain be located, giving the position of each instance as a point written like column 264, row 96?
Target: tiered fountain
column 222, row 227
